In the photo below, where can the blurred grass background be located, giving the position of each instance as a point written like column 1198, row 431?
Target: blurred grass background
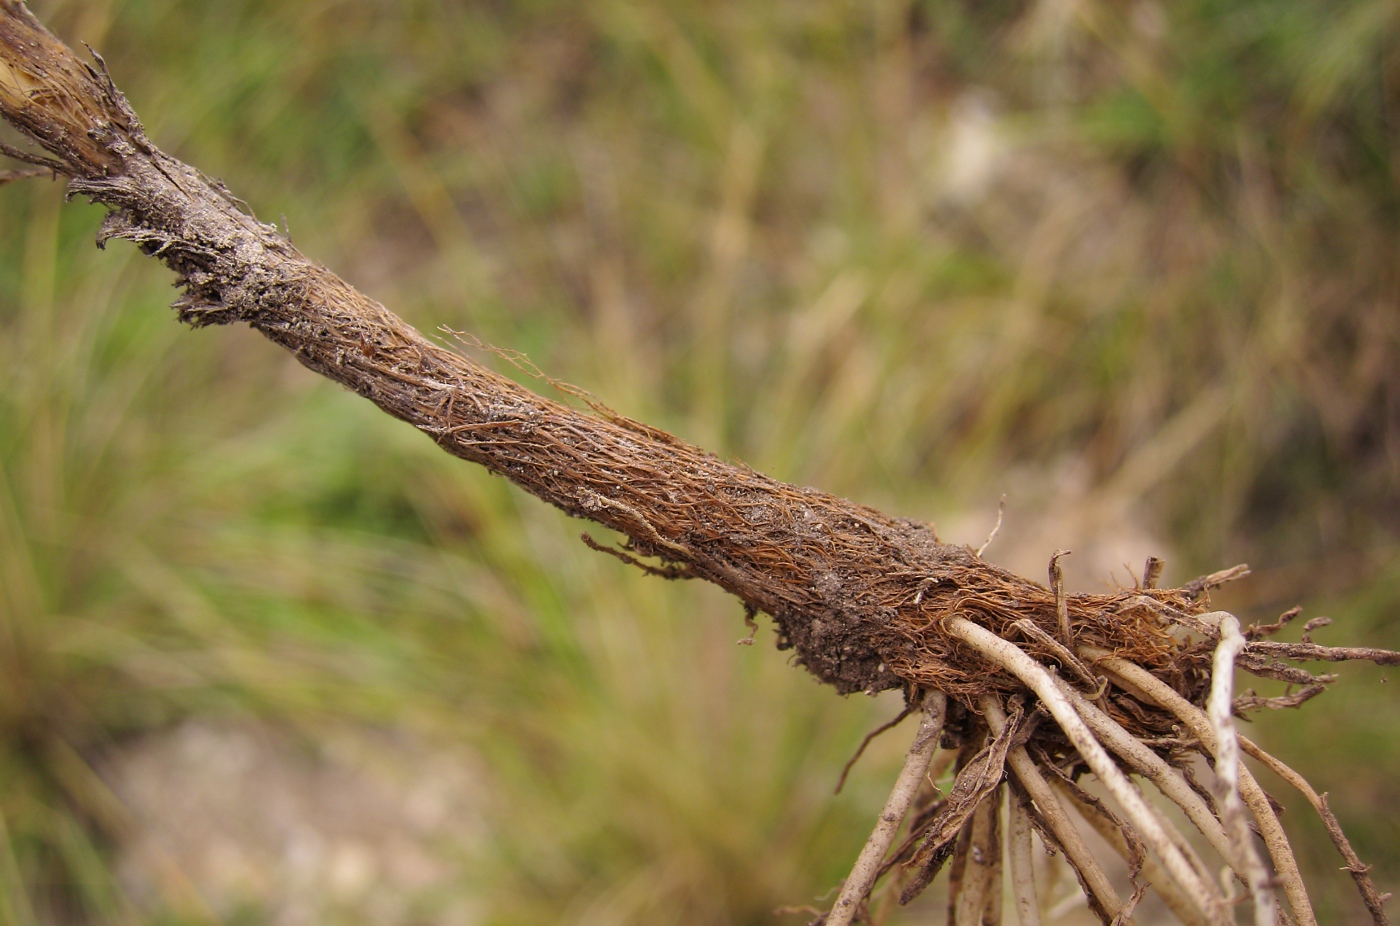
column 1133, row 264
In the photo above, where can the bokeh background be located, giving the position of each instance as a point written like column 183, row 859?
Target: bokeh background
column 266, row 656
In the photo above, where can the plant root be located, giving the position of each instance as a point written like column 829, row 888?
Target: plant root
column 1124, row 841
column 1151, row 690
column 866, row 601
column 1220, row 710
column 867, row 867
column 1149, row 825
column 1103, row 899
column 869, row 738
column 1359, row 871
column 1021, row 865
column 1152, row 767
column 981, row 874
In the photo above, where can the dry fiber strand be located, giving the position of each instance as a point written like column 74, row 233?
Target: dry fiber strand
column 868, row 602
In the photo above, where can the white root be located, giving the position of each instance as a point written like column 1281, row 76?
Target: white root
column 906, row 786
column 1359, row 871
column 1152, row 873
column 1149, row 689
column 1151, row 766
column 979, row 879
column 1220, row 709
column 1076, row 851
column 1147, row 824
column 1018, row 850
column 997, row 890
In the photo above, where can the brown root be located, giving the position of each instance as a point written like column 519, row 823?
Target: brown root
column 869, row 738
column 1359, row 871
column 1022, row 868
column 867, row 602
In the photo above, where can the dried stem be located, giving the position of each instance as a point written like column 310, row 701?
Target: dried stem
column 1152, row 571
column 1057, row 585
column 867, row 867
column 976, row 781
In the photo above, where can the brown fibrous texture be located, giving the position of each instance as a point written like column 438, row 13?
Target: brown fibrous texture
column 858, row 594
column 861, row 597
